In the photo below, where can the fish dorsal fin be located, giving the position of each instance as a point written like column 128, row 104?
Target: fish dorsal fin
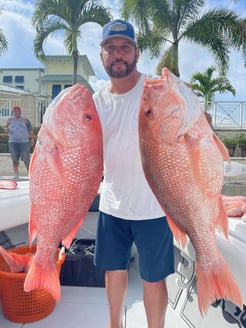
column 33, row 158
column 32, row 228
column 222, row 148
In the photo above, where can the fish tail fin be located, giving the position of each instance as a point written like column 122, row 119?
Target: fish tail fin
column 216, row 282
column 16, row 262
column 179, row 235
column 40, row 278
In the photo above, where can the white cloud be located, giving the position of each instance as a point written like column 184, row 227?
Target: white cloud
column 15, row 22
column 24, row 7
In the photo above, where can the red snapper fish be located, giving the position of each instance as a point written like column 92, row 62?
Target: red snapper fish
column 183, row 163
column 8, row 184
column 65, row 173
column 235, row 206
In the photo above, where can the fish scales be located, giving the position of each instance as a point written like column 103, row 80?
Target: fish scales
column 65, row 173
column 183, row 163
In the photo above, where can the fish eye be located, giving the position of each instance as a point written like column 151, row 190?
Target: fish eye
column 88, row 117
column 148, row 112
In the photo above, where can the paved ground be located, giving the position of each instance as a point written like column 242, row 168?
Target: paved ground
column 6, row 169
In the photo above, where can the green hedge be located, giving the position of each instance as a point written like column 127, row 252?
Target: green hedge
column 232, row 143
column 4, row 147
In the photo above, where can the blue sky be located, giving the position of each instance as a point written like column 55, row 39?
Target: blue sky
column 15, row 23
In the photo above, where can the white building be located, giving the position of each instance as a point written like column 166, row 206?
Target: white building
column 34, row 88
column 27, row 79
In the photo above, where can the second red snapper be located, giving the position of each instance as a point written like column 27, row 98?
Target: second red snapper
column 16, row 262
column 8, row 184
column 65, row 174
column 183, row 163
column 235, row 206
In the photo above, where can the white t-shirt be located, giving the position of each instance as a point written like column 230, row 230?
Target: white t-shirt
column 125, row 192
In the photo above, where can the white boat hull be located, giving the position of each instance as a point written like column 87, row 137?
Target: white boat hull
column 183, row 309
column 14, row 206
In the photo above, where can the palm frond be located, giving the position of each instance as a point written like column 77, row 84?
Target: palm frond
column 218, row 30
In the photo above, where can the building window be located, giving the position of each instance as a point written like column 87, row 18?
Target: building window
column 5, row 112
column 19, row 79
column 56, row 88
column 20, row 87
column 7, row 79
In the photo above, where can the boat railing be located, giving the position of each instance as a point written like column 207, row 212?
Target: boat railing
column 229, row 115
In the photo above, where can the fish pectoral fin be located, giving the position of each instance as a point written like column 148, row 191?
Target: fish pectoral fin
column 56, row 166
column 194, row 150
column 215, row 281
column 179, row 235
column 39, row 278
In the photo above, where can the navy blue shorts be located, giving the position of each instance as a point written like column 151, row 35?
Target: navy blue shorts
column 153, row 239
column 20, row 150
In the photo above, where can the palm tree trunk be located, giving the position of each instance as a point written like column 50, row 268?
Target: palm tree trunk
column 170, row 60
column 75, row 65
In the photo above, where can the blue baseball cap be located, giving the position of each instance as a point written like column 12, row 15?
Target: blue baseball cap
column 118, row 28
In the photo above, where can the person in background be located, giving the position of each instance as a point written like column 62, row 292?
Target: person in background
column 128, row 210
column 19, row 130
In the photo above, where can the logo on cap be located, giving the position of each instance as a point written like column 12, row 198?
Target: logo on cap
column 118, row 27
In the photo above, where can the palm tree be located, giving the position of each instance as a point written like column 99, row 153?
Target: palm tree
column 239, row 38
column 68, row 16
column 206, row 87
column 166, row 23
column 3, row 41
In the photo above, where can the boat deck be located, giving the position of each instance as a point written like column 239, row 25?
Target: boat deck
column 87, row 306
